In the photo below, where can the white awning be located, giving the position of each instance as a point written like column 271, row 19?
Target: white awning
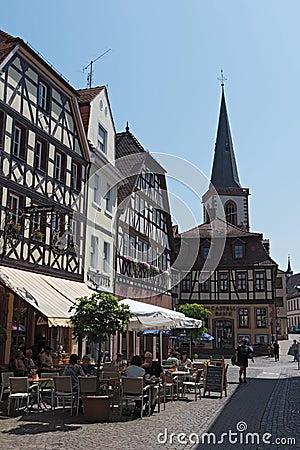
column 151, row 317
column 51, row 296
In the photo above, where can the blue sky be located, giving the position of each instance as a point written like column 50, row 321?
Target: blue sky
column 162, row 74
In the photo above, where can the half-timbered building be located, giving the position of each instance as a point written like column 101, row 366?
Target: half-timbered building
column 144, row 231
column 239, row 286
column 101, row 188
column 43, row 168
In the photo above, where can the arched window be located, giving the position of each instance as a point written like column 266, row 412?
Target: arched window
column 230, row 212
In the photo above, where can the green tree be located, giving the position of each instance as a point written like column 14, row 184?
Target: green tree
column 96, row 318
column 196, row 311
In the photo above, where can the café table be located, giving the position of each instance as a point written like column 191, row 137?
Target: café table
column 42, row 385
column 178, row 376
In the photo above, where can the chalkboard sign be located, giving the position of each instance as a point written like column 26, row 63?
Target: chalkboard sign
column 215, row 379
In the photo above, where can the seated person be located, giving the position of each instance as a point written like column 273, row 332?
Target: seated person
column 19, row 367
column 73, row 369
column 153, row 369
column 28, row 361
column 87, row 367
column 173, row 360
column 118, row 362
column 133, row 371
column 46, row 360
column 185, row 361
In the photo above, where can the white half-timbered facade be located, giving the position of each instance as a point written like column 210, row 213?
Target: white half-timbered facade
column 42, row 167
column 101, row 188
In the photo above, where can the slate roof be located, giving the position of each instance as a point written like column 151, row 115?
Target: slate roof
column 255, row 250
column 130, row 157
column 7, row 44
column 224, row 171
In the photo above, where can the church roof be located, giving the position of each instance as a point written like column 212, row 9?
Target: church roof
column 224, row 171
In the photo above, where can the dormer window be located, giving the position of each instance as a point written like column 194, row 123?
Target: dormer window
column 238, row 249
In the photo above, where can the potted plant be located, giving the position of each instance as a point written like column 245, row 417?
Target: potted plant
column 38, row 235
column 96, row 318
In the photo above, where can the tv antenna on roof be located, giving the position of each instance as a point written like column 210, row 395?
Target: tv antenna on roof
column 90, row 65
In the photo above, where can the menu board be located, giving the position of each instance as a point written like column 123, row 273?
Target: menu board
column 214, row 379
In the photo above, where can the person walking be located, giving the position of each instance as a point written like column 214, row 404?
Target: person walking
column 276, row 350
column 243, row 352
column 295, row 350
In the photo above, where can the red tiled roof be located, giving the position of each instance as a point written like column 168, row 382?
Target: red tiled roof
column 7, row 43
column 88, row 94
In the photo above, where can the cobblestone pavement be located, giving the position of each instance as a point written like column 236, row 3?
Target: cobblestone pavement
column 267, row 402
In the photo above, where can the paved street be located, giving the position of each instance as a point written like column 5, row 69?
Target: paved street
column 269, row 403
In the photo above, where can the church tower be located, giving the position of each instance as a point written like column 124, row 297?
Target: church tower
column 225, row 181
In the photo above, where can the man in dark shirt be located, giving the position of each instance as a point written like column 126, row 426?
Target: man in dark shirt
column 243, row 352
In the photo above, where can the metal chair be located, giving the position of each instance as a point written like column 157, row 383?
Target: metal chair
column 5, row 383
column 133, row 389
column 86, row 385
column 63, row 390
column 19, row 390
column 194, row 384
column 46, row 387
column 168, row 383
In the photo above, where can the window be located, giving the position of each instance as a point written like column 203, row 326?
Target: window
column 94, row 252
column 106, row 257
column 259, row 281
column 1, row 128
column 101, row 139
column 279, row 302
column 224, row 282
column 41, row 155
column 243, row 318
column 238, row 251
column 59, row 166
column 109, row 199
column 278, row 283
column 96, row 196
column 261, row 318
column 56, row 223
column 230, row 212
column 76, row 176
column 241, row 281
column 204, row 286
column 44, row 96
column 14, row 208
column 132, row 246
column 186, row 283
column 206, row 252
column 126, row 245
column 18, row 141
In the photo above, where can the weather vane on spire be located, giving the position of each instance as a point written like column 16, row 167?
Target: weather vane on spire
column 222, row 78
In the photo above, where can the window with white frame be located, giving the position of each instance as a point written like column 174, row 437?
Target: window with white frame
column 106, row 257
column 96, row 187
column 14, row 208
column 261, row 318
column 94, row 261
column 126, row 244
column 238, row 251
column 243, row 318
column 17, row 139
column 224, row 282
column 109, row 199
column 259, row 281
column 101, row 139
column 58, row 166
column 42, row 96
column 241, row 281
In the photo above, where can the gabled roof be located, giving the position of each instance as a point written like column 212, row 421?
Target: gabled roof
column 130, row 157
column 217, row 227
column 7, row 44
column 88, row 94
column 224, row 171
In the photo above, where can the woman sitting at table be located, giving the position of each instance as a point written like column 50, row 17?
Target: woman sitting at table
column 73, row 369
column 185, row 361
column 19, row 366
column 87, row 367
